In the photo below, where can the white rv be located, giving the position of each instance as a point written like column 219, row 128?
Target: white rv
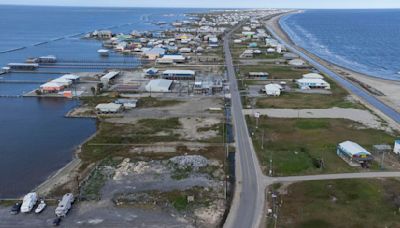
column 29, row 202
column 64, row 205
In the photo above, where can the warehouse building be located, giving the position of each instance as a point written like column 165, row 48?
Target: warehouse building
column 159, row 86
column 179, row 74
column 353, row 152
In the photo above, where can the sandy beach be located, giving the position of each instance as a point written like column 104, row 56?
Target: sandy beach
column 389, row 90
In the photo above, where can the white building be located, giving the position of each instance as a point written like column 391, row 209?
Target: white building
column 108, row 77
column 313, row 83
column 273, row 89
column 353, row 152
column 159, row 86
column 109, row 108
column 171, row 59
column 396, row 148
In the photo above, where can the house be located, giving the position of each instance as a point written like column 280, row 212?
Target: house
column 305, row 83
column 353, row 152
column 127, row 103
column 154, row 53
column 258, row 75
column 313, row 83
column 247, row 54
column 271, row 42
column 273, row 89
column 151, row 72
column 171, row 59
column 185, row 50
column 109, row 108
column 178, row 74
column 297, row 62
column 159, row 86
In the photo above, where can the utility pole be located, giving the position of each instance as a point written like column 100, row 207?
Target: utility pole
column 262, row 139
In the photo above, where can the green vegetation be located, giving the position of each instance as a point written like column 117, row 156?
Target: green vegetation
column 95, row 100
column 114, row 139
column 341, row 203
column 338, row 98
column 152, row 102
column 275, row 71
column 96, row 180
column 296, row 146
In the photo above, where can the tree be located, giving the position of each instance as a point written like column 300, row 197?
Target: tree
column 93, row 89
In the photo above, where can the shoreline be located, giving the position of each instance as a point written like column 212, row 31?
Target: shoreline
column 389, row 88
column 65, row 174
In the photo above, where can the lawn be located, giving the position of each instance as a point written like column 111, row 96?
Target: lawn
column 275, row 71
column 302, row 100
column 297, row 145
column 341, row 203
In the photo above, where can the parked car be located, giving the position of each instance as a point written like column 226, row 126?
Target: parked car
column 57, row 221
column 16, row 208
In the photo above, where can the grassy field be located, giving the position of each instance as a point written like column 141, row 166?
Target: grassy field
column 144, row 131
column 341, row 203
column 275, row 71
column 151, row 102
column 297, row 145
column 301, row 100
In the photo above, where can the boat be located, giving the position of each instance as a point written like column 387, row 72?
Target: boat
column 42, row 205
column 29, row 201
column 103, row 52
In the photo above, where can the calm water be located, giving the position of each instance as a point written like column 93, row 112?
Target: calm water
column 36, row 139
column 366, row 41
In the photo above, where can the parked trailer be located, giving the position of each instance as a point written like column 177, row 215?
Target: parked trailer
column 64, row 205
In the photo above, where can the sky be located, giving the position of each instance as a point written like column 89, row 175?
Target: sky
column 352, row 4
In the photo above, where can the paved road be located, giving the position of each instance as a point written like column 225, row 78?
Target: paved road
column 269, row 180
column 370, row 99
column 248, row 202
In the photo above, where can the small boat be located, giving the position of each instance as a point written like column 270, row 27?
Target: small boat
column 42, row 205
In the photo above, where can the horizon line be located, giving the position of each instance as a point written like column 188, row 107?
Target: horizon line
column 193, row 7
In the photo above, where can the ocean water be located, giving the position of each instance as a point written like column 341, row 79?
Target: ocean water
column 35, row 137
column 366, row 41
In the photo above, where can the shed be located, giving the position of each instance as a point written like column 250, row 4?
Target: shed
column 354, row 152
column 108, row 77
